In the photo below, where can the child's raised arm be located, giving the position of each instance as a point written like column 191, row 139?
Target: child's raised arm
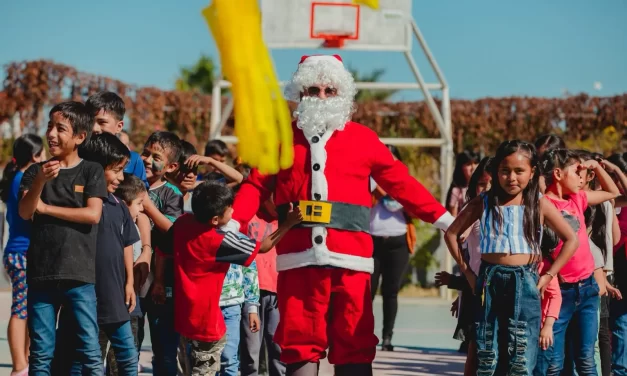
column 553, row 218
column 469, row 215
column 294, row 217
column 229, row 172
column 610, row 190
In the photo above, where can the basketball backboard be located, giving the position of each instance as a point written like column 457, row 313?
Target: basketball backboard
column 305, row 23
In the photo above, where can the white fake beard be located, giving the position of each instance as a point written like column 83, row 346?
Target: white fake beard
column 317, row 116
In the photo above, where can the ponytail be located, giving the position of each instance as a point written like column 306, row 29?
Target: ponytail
column 24, row 149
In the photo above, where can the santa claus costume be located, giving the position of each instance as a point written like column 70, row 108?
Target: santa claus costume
column 325, row 263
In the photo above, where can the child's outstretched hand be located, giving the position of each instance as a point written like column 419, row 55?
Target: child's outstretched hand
column 442, row 279
column 294, row 216
column 546, row 337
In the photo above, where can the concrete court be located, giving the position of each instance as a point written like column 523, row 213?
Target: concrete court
column 422, row 336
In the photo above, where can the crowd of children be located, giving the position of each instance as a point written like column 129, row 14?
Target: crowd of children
column 115, row 238
column 540, row 244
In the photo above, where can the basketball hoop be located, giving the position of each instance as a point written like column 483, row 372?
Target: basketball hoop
column 346, row 16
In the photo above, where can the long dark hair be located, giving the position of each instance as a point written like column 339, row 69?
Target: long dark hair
column 556, row 158
column 595, row 214
column 24, row 149
column 459, row 180
column 483, row 166
column 530, row 195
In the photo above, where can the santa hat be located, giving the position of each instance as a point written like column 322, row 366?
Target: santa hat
column 335, row 60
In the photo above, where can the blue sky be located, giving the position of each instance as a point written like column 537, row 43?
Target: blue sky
column 485, row 48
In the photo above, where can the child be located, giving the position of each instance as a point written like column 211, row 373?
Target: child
column 543, row 144
column 133, row 192
column 604, row 232
column 465, row 165
column 64, row 197
column 202, row 253
column 217, row 150
column 108, row 110
column 240, row 288
column 240, row 284
column 260, row 227
column 480, row 182
column 564, row 177
column 511, row 215
column 27, row 150
column 161, row 156
column 114, row 256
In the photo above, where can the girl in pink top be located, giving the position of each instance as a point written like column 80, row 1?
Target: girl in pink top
column 565, row 175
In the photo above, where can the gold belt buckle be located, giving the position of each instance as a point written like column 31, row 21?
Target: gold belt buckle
column 316, row 211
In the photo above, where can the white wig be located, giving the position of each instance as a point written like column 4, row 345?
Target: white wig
column 327, row 70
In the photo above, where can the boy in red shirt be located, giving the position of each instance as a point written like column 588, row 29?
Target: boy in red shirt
column 202, row 253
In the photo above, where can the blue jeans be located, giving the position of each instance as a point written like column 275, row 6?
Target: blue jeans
column 165, row 340
column 580, row 305
column 123, row 344
column 79, row 300
column 618, row 325
column 230, row 356
column 508, row 325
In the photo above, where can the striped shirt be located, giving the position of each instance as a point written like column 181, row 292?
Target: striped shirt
column 508, row 236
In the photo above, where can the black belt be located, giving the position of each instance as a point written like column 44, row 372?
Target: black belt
column 329, row 214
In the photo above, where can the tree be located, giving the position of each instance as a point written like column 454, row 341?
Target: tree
column 200, row 76
column 368, row 94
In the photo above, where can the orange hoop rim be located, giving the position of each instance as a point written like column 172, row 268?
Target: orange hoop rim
column 334, row 40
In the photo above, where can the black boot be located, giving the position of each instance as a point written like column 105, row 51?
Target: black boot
column 387, row 344
column 302, row 369
column 363, row 369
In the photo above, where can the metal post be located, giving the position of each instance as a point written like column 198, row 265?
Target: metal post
column 427, row 51
column 216, row 106
column 228, row 109
column 433, row 108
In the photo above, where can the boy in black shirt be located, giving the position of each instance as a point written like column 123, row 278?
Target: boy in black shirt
column 63, row 197
column 114, row 256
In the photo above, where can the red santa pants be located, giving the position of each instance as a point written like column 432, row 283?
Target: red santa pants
column 324, row 308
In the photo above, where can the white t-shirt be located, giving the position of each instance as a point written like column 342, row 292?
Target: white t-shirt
column 386, row 217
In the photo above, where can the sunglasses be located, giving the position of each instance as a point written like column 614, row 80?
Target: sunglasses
column 314, row 91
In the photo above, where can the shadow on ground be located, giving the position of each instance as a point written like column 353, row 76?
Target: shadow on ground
column 419, row 361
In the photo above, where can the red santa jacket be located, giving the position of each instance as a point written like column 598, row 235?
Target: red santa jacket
column 335, row 168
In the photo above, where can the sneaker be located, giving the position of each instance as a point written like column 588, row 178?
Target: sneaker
column 23, row 372
column 387, row 345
